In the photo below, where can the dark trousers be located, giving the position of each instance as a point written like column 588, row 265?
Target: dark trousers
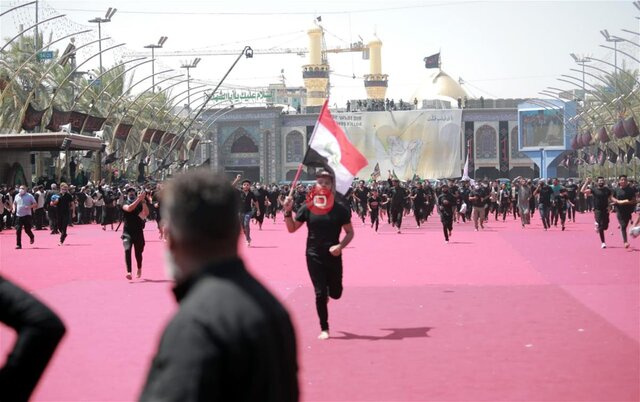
column 623, row 220
column 374, row 218
column 63, row 222
column 447, row 225
column 53, row 220
column 326, row 276
column 23, row 221
column 396, row 216
column 544, row 214
column 38, row 218
column 602, row 219
column 135, row 241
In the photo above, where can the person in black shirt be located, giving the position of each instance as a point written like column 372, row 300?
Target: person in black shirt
column 39, row 331
column 373, row 203
column 601, row 200
column 562, row 204
column 231, row 339
column 261, row 200
column 63, row 205
column 625, row 199
column 51, row 208
column 248, row 202
column 446, row 207
column 544, row 193
column 419, row 197
column 478, row 199
column 135, row 211
column 572, row 193
column 397, row 198
column 360, row 196
column 325, row 220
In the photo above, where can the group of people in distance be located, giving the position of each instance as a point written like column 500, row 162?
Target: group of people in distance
column 231, row 339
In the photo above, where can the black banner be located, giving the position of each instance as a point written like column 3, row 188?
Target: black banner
column 77, row 120
column 123, row 131
column 58, row 118
column 503, row 147
column 32, row 118
column 93, row 124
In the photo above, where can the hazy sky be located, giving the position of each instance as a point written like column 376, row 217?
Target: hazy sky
column 500, row 48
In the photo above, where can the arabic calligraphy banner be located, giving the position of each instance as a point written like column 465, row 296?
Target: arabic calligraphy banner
column 417, row 142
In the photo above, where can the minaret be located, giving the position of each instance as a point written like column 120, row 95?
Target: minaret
column 316, row 73
column 375, row 83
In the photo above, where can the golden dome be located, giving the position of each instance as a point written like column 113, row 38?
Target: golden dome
column 439, row 85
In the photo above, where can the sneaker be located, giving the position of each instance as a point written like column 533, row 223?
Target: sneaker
column 324, row 335
column 603, row 245
column 635, row 231
column 626, row 245
column 446, row 242
column 563, row 228
column 399, row 231
column 33, row 239
column 129, row 276
column 248, row 243
column 139, row 273
column 18, row 247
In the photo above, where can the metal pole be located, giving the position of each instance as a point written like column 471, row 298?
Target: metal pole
column 153, row 70
column 36, row 38
column 100, row 43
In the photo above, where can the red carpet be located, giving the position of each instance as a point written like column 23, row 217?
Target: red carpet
column 504, row 314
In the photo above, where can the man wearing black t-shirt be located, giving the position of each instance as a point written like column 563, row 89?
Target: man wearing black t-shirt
column 360, row 194
column 601, row 200
column 325, row 220
column 625, row 198
column 248, row 202
column 419, row 198
column 63, row 205
column 478, row 199
column 447, row 206
column 572, row 193
column 134, row 212
column 397, row 198
column 544, row 193
column 260, row 194
column 373, row 204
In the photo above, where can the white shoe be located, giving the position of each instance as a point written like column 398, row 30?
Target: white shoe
column 635, row 231
column 324, row 335
column 603, row 245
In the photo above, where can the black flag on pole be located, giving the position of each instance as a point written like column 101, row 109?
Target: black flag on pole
column 432, row 61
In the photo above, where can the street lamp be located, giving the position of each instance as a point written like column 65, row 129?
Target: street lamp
column 153, row 47
column 100, row 21
column 189, row 66
column 582, row 61
column 615, row 41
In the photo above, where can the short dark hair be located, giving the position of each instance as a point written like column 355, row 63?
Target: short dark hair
column 599, row 177
column 201, row 209
column 622, row 176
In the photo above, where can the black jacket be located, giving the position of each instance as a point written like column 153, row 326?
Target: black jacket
column 39, row 332
column 231, row 340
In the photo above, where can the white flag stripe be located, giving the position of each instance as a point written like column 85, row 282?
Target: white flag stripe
column 326, row 144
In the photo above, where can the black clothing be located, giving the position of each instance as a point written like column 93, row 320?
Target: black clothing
column 231, row 340
column 133, row 234
column 446, row 213
column 246, row 201
column 324, row 269
column 39, row 332
column 600, row 197
column 324, row 230
column 624, row 212
column 23, row 221
column 544, row 196
column 480, row 197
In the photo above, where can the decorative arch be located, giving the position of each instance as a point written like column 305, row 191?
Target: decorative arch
column 243, row 142
column 486, row 142
column 294, row 141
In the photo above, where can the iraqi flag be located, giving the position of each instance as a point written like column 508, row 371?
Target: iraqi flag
column 330, row 148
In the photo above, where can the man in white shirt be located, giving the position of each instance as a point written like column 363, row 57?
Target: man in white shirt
column 23, row 206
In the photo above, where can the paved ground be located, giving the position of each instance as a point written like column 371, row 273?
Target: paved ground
column 504, row 314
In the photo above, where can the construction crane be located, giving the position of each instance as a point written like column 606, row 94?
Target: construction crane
column 354, row 47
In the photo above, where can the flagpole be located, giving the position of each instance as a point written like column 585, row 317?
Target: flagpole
column 315, row 128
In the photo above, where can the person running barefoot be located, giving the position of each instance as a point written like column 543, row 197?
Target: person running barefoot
column 325, row 220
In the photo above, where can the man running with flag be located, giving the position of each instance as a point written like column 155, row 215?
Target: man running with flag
column 328, row 148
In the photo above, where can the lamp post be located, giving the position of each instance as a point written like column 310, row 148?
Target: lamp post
column 189, row 66
column 615, row 41
column 582, row 61
column 153, row 48
column 98, row 20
